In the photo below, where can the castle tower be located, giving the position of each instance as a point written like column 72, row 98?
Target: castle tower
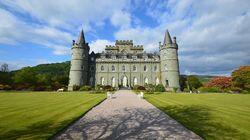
column 79, row 62
column 169, row 62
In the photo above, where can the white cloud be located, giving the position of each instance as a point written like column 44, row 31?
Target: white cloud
column 68, row 14
column 121, row 19
column 205, row 30
column 14, row 31
column 99, row 45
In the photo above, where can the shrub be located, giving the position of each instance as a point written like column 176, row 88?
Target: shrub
column 150, row 88
column 108, row 88
column 222, row 82
column 175, row 89
column 141, row 88
column 209, row 89
column 85, row 88
column 76, row 87
column 137, row 87
column 159, row 88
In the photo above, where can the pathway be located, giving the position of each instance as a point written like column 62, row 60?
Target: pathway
column 125, row 116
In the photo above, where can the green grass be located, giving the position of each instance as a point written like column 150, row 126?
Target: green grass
column 212, row 116
column 39, row 115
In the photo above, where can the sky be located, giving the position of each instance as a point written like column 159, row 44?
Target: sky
column 213, row 35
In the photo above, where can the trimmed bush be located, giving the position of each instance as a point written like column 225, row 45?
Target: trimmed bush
column 150, row 88
column 159, row 88
column 108, row 88
column 85, row 88
column 209, row 89
column 76, row 87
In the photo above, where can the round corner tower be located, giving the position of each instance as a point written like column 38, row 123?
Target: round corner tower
column 79, row 62
column 170, row 74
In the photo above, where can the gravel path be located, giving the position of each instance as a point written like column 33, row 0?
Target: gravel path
column 125, row 116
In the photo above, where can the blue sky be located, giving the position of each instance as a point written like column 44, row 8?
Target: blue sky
column 213, row 36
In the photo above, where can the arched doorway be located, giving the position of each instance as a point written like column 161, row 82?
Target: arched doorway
column 135, row 81
column 124, row 81
column 113, row 81
column 157, row 81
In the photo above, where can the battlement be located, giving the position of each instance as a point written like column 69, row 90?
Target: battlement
column 124, row 42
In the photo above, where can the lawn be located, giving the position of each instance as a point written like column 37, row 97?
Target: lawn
column 39, row 115
column 212, row 116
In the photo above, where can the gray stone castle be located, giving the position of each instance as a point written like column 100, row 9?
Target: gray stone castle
column 124, row 64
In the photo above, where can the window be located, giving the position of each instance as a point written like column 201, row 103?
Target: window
column 82, row 67
column 155, row 68
column 92, row 58
column 123, row 68
column 102, row 68
column 145, row 68
column 134, row 68
column 113, row 68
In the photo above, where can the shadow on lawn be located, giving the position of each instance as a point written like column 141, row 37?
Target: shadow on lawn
column 39, row 130
column 200, row 120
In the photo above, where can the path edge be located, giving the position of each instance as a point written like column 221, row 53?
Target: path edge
column 60, row 131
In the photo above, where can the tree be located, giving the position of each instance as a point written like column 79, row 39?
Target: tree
column 183, row 82
column 26, row 77
column 221, row 82
column 5, row 67
column 193, row 82
column 241, row 78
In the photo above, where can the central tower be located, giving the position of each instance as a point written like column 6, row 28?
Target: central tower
column 79, row 62
column 169, row 63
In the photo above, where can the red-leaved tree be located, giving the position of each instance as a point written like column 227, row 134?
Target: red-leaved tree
column 221, row 82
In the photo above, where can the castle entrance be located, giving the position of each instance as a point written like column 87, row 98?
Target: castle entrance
column 124, row 81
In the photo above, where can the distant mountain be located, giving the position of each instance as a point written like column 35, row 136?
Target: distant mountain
column 53, row 69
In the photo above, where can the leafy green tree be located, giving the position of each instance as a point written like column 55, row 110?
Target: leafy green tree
column 26, row 76
column 193, row 82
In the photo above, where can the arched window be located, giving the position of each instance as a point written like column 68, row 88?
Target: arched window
column 123, row 68
column 135, row 81
column 134, row 68
column 102, row 81
column 102, row 68
column 113, row 68
column 145, row 68
column 155, row 68
column 146, row 81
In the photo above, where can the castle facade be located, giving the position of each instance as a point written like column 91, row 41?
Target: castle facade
column 124, row 64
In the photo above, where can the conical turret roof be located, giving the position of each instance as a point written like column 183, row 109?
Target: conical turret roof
column 167, row 38
column 81, row 38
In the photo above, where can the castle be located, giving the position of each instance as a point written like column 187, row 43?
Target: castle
column 124, row 64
